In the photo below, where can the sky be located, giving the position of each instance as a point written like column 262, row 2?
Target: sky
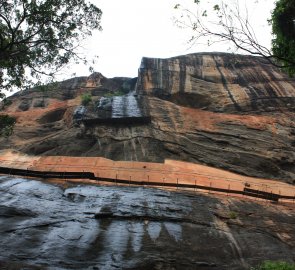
column 133, row 29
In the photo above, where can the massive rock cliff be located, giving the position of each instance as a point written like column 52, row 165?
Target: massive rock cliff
column 45, row 226
column 228, row 111
column 218, row 82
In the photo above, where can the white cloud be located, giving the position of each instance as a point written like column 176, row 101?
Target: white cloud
column 136, row 28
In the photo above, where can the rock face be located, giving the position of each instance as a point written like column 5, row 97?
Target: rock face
column 218, row 82
column 123, row 106
column 228, row 111
column 89, row 227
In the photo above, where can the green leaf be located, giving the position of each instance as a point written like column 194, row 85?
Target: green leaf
column 38, row 38
column 216, row 8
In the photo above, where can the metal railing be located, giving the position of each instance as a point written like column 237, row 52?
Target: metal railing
column 66, row 175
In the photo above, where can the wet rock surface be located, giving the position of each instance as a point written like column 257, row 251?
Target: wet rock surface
column 123, row 106
column 45, row 226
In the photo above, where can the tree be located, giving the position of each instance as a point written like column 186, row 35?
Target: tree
column 6, row 125
column 39, row 37
column 230, row 23
column 283, row 27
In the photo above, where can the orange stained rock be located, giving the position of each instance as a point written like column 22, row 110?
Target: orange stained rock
column 206, row 120
column 14, row 159
column 31, row 115
column 169, row 172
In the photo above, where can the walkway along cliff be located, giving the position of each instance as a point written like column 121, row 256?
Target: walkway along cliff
column 172, row 174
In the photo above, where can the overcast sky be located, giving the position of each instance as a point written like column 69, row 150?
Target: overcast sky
column 136, row 28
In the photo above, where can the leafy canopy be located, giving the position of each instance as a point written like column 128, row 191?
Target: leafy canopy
column 40, row 37
column 6, row 125
column 283, row 27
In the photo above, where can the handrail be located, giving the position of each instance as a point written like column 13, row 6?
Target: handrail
column 90, row 175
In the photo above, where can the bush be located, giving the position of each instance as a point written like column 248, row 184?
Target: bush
column 279, row 265
column 119, row 92
column 6, row 125
column 5, row 103
column 86, row 99
column 233, row 215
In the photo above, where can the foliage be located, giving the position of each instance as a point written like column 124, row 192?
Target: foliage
column 279, row 265
column 119, row 92
column 5, row 103
column 6, row 125
column 233, row 215
column 283, row 27
column 86, row 99
column 230, row 23
column 39, row 37
column 43, row 88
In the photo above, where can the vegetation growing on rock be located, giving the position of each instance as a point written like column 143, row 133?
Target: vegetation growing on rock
column 86, row 98
column 278, row 265
column 6, row 125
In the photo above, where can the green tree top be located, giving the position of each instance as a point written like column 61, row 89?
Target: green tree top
column 283, row 27
column 39, row 37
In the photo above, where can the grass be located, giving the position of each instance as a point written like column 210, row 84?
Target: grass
column 275, row 265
